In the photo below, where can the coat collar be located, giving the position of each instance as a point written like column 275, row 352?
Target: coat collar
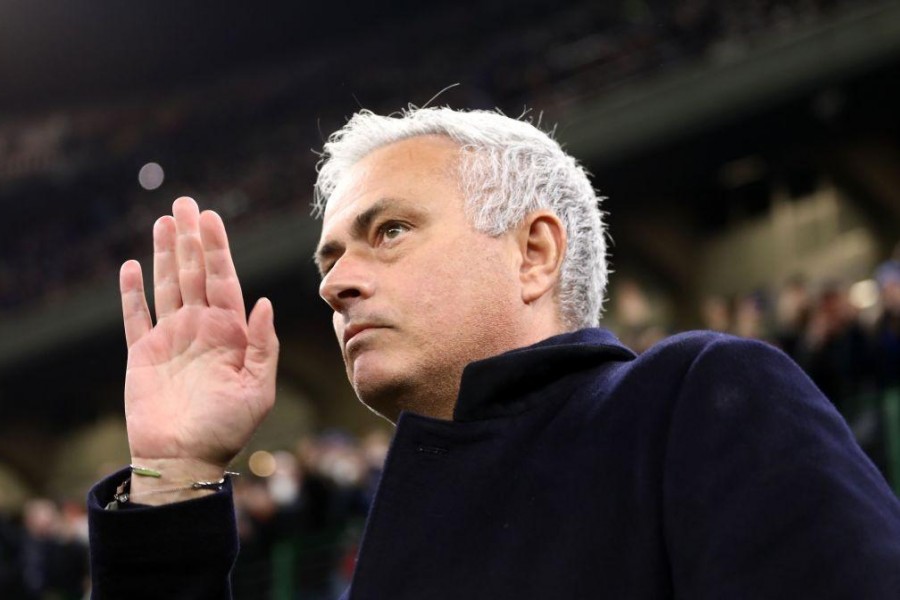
column 499, row 386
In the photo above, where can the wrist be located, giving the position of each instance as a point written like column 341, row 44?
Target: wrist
column 172, row 481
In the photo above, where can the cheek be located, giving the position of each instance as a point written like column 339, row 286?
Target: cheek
column 472, row 287
column 460, row 283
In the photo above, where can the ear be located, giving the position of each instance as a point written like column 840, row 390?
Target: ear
column 542, row 244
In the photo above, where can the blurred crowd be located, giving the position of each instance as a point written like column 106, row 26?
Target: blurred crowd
column 300, row 526
column 300, row 517
column 241, row 144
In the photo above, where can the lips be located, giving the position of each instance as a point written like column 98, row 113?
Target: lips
column 355, row 328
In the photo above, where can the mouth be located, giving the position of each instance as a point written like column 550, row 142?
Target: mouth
column 353, row 330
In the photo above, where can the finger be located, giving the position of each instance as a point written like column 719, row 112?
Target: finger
column 261, row 359
column 189, row 251
column 166, row 289
column 135, row 313
column 223, row 289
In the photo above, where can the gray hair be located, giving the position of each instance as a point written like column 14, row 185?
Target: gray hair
column 508, row 169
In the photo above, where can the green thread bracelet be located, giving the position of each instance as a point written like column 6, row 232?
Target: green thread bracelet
column 145, row 472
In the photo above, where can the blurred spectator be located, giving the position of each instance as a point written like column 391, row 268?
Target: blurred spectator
column 374, row 448
column 749, row 317
column 792, row 312
column 636, row 323
column 253, row 573
column 12, row 584
column 886, row 333
column 716, row 314
column 55, row 561
column 833, row 347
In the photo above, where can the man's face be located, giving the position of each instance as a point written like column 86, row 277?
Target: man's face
column 417, row 293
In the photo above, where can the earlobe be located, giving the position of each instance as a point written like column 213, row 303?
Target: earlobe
column 543, row 245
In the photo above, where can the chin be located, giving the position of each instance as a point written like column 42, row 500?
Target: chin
column 381, row 390
column 371, row 372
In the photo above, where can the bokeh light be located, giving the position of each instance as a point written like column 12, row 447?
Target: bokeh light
column 151, row 176
column 864, row 294
column 262, row 463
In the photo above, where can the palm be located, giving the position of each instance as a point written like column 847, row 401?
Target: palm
column 187, row 392
column 201, row 380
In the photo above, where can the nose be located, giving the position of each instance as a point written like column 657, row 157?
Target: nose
column 348, row 282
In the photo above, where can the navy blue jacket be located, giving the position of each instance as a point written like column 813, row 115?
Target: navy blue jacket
column 708, row 467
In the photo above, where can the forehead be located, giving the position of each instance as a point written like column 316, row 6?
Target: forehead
column 413, row 168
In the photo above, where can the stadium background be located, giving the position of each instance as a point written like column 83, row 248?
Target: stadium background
column 749, row 151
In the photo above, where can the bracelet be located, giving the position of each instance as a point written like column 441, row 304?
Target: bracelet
column 145, row 472
column 123, row 493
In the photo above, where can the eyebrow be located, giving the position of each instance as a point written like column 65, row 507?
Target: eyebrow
column 361, row 225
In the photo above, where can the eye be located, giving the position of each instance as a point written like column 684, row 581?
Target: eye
column 391, row 230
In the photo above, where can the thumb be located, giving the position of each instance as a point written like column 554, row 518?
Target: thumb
column 262, row 343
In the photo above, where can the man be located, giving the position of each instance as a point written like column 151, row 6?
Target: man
column 534, row 456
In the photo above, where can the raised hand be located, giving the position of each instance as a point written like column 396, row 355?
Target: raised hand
column 201, row 380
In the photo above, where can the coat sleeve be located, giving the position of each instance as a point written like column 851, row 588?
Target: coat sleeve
column 182, row 551
column 767, row 495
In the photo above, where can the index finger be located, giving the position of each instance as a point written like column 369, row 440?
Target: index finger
column 135, row 313
column 223, row 289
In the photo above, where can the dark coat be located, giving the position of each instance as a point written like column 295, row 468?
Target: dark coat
column 708, row 467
